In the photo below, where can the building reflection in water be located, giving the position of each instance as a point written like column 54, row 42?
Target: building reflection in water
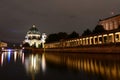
column 2, row 58
column 43, row 63
column 106, row 68
column 8, row 56
column 34, row 63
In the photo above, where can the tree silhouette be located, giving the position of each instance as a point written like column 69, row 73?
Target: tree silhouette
column 62, row 35
column 73, row 35
column 56, row 37
column 26, row 45
column 52, row 38
column 86, row 32
column 98, row 29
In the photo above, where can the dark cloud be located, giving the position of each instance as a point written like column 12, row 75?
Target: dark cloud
column 50, row 16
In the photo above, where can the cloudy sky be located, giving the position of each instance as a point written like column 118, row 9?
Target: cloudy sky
column 51, row 16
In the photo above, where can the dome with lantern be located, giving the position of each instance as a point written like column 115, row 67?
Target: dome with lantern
column 33, row 38
column 33, row 30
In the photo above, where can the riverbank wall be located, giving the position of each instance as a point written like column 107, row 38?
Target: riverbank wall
column 32, row 50
column 97, row 49
column 112, row 49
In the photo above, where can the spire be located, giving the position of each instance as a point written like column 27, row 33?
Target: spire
column 34, row 25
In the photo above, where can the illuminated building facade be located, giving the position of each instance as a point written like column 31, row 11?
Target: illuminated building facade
column 111, row 23
column 111, row 36
column 100, row 39
column 3, row 44
column 33, row 37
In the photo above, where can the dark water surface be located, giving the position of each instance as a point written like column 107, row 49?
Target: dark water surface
column 16, row 65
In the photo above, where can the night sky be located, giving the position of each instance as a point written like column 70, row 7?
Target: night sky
column 52, row 16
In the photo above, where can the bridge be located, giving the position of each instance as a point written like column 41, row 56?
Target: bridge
column 10, row 50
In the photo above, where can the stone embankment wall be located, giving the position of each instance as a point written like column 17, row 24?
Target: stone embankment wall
column 112, row 49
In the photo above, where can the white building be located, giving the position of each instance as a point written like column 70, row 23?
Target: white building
column 33, row 37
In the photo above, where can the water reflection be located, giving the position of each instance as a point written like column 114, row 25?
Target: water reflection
column 10, row 56
column 34, row 65
column 107, row 68
column 34, row 62
column 43, row 63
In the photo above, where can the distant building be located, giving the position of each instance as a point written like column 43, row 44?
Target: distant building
column 33, row 38
column 3, row 44
column 111, row 23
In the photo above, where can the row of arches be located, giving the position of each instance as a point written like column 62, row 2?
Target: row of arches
column 107, row 38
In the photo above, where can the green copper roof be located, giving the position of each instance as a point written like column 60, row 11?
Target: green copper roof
column 33, row 30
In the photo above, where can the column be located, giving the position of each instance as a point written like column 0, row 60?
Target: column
column 97, row 39
column 93, row 40
column 86, row 41
column 107, row 38
column 113, row 25
column 81, row 42
column 102, row 39
column 90, row 41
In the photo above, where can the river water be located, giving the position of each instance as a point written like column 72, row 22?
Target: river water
column 16, row 65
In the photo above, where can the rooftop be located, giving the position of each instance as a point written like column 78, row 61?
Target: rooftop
column 110, row 17
column 33, row 30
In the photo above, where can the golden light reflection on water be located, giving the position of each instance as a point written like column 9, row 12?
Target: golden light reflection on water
column 34, row 63
column 109, row 69
column 6, row 57
column 43, row 63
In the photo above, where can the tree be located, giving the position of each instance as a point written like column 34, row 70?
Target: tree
column 73, row 35
column 26, row 45
column 52, row 38
column 98, row 29
column 56, row 37
column 62, row 35
column 86, row 32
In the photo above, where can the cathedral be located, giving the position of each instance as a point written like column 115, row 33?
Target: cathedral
column 34, row 39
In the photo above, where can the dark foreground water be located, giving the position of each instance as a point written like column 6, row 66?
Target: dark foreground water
column 59, row 66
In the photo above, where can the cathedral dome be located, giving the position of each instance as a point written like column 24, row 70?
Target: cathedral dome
column 33, row 30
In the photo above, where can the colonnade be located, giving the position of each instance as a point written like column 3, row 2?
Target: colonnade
column 88, row 40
